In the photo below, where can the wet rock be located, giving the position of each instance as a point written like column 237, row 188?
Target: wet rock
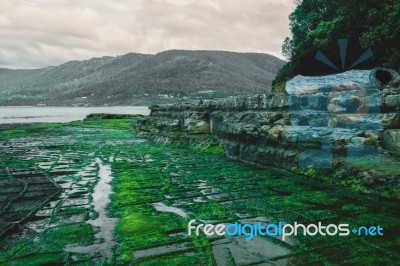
column 391, row 120
column 392, row 101
column 282, row 122
column 382, row 77
column 275, row 132
column 354, row 113
column 196, row 122
column 171, row 124
column 265, row 128
column 323, row 85
column 332, row 122
column 373, row 137
column 360, row 141
column 391, row 139
column 340, row 141
column 110, row 116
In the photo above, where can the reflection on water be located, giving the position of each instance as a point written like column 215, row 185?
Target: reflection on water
column 105, row 224
column 25, row 114
column 159, row 206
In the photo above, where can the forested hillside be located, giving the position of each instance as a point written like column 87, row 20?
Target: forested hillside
column 140, row 79
column 316, row 25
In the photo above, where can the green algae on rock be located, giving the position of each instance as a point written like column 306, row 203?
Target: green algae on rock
column 203, row 184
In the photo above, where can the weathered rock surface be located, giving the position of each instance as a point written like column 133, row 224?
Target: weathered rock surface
column 391, row 140
column 322, row 122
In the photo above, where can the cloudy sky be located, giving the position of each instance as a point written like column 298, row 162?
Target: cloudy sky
column 39, row 33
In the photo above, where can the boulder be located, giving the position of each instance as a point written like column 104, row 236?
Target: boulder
column 196, row 122
column 391, row 139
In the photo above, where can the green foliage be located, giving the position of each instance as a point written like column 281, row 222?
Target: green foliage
column 279, row 87
column 355, row 184
column 317, row 25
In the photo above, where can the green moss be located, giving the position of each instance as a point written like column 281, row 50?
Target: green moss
column 204, row 184
column 214, row 149
column 356, row 185
column 81, row 234
column 383, row 166
column 397, row 193
column 47, row 258
column 172, row 260
column 353, row 208
column 11, row 250
column 146, row 222
column 313, row 173
column 121, row 124
column 209, row 211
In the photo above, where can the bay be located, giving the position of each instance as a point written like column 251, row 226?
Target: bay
column 31, row 114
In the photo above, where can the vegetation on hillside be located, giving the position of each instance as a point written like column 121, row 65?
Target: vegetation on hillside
column 138, row 79
column 318, row 24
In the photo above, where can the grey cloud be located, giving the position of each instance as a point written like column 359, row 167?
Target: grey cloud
column 38, row 33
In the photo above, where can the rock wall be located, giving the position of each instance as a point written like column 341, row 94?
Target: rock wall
column 322, row 122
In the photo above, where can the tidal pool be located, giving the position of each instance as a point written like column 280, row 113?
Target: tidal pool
column 103, row 223
column 159, row 206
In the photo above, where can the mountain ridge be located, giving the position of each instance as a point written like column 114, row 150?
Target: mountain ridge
column 140, row 79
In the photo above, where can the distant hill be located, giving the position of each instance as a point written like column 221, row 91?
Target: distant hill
column 141, row 79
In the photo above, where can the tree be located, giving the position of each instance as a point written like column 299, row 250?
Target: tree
column 318, row 24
